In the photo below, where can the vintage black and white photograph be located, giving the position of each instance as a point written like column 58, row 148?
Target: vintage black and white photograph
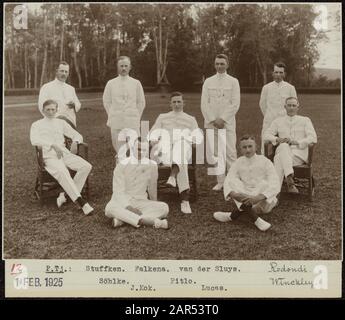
column 172, row 131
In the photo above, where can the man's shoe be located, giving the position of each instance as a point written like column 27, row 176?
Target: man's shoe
column 218, row 187
column 87, row 209
column 222, row 216
column 160, row 224
column 117, row 223
column 61, row 199
column 185, row 207
column 262, row 224
column 171, row 181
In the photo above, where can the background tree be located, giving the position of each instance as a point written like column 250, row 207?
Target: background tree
column 168, row 43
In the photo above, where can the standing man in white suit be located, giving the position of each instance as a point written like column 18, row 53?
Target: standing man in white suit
column 273, row 96
column 124, row 102
column 63, row 93
column 220, row 101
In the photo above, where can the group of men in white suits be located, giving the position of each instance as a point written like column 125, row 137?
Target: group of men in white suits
column 251, row 180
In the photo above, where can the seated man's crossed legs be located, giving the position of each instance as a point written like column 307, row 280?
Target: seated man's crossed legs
column 284, row 160
column 58, row 168
column 140, row 212
column 253, row 211
column 181, row 153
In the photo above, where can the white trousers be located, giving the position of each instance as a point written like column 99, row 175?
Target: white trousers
column 264, row 206
column 58, row 169
column 284, row 160
column 117, row 142
column 222, row 154
column 266, row 124
column 150, row 209
column 180, row 154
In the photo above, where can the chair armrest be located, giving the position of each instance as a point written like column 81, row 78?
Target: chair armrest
column 269, row 150
column 84, row 148
column 311, row 147
column 193, row 154
column 39, row 156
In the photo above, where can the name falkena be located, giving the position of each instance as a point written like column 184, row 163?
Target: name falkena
column 106, row 268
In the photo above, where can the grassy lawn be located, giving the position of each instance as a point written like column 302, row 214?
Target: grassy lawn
column 301, row 230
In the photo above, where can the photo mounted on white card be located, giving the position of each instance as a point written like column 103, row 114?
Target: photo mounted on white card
column 172, row 149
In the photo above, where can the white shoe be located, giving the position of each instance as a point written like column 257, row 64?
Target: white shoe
column 218, row 187
column 87, row 209
column 171, row 181
column 61, row 199
column 222, row 216
column 262, row 224
column 160, row 224
column 117, row 223
column 185, row 207
column 292, row 189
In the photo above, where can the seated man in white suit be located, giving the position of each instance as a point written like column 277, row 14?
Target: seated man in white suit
column 49, row 133
column 253, row 184
column 134, row 179
column 292, row 133
column 174, row 132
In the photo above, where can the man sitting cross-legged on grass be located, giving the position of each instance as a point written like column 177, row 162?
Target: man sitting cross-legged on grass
column 172, row 135
column 252, row 183
column 49, row 133
column 134, row 179
column 292, row 133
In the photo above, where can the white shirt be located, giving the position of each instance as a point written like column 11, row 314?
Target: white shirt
column 62, row 93
column 220, row 98
column 246, row 175
column 296, row 128
column 124, row 102
column 272, row 99
column 134, row 181
column 46, row 132
column 177, row 120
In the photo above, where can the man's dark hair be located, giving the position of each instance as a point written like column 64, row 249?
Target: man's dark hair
column 280, row 64
column 176, row 94
column 49, row 102
column 62, row 62
column 223, row 56
column 248, row 137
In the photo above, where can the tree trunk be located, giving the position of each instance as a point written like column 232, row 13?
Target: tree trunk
column 45, row 54
column 85, row 70
column 165, row 61
column 10, row 57
column 99, row 65
column 105, row 53
column 91, row 69
column 25, row 66
column 29, row 74
column 44, row 64
column 263, row 69
column 62, row 41
column 76, row 65
column 36, row 66
column 118, row 43
column 9, row 70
